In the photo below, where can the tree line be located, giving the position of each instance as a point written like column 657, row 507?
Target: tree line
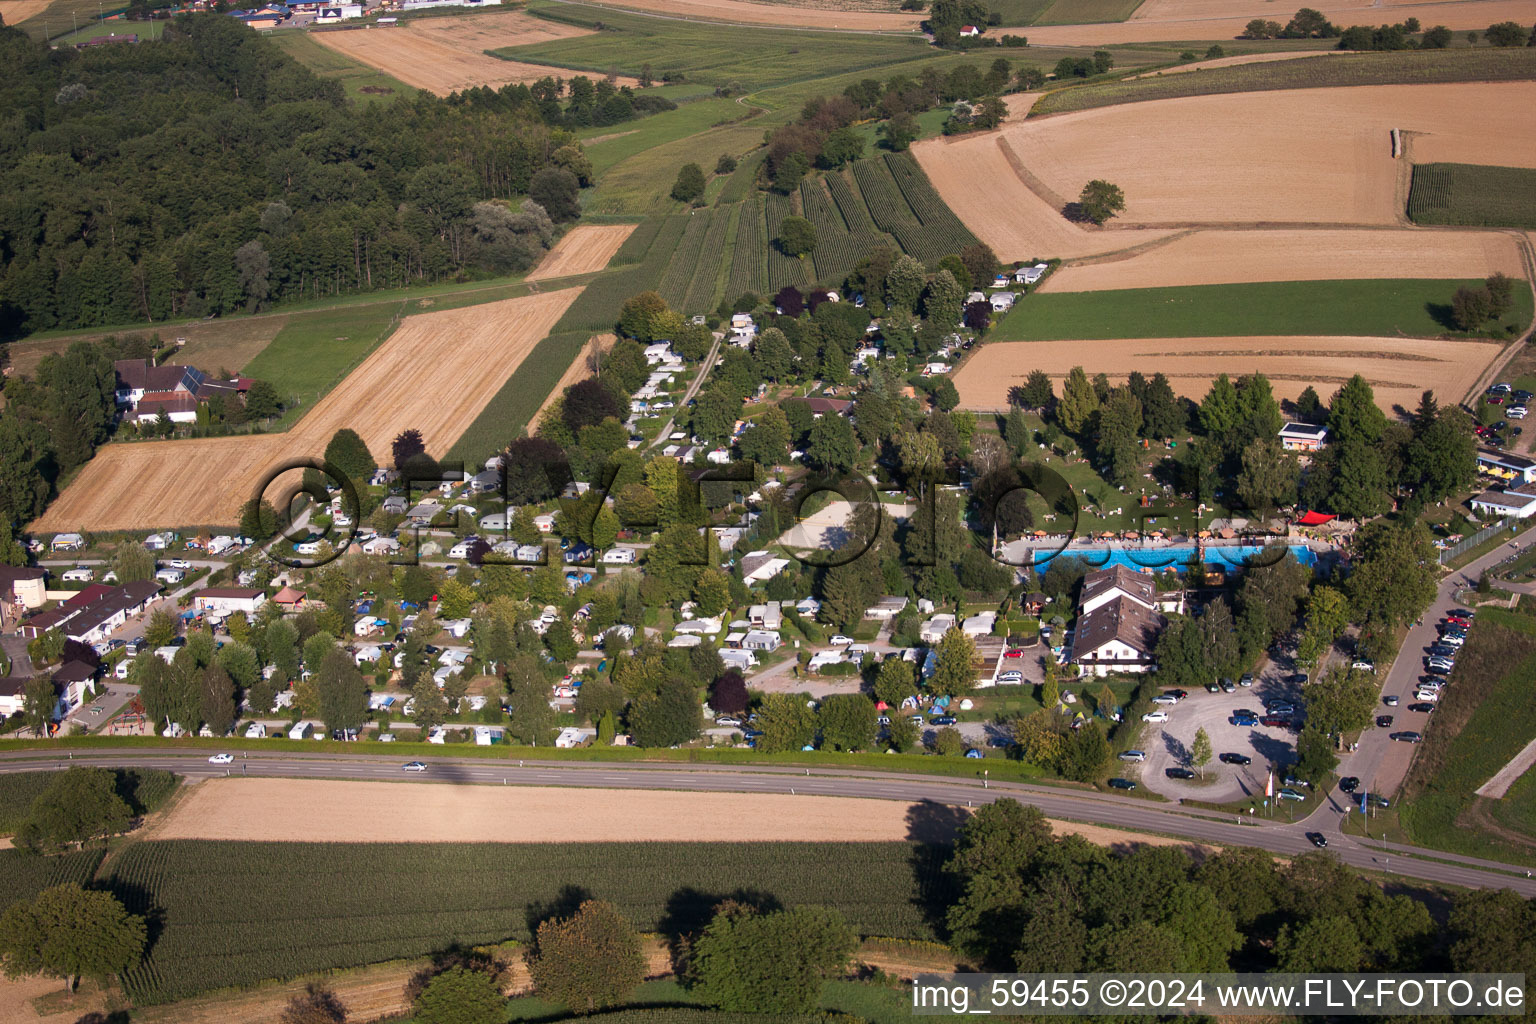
column 206, row 172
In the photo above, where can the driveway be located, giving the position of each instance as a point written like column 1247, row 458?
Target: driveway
column 86, row 718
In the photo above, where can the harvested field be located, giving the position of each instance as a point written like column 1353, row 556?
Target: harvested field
column 211, row 344
column 580, row 369
column 325, row 810
column 1240, row 159
column 820, row 16
column 1236, row 257
column 1162, row 20
column 1399, row 369
column 435, row 373
column 1229, row 62
column 1294, row 156
column 477, row 32
column 1010, row 217
column 583, row 250
column 17, row 11
column 432, row 54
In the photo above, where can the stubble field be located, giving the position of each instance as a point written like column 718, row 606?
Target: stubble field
column 1163, row 20
column 1233, row 257
column 580, row 369
column 445, row 55
column 1399, row 369
column 1283, row 159
column 17, row 11
column 435, row 373
column 583, row 250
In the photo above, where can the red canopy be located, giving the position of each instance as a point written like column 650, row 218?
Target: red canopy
column 1315, row 519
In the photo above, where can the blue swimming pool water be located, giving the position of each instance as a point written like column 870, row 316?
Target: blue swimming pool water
column 1236, row 555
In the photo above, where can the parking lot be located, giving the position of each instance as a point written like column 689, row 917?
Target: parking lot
column 1167, row 743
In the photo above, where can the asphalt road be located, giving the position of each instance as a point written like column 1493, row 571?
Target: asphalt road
column 1123, row 812
column 1380, row 763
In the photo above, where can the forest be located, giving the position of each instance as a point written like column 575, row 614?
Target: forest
column 207, row 172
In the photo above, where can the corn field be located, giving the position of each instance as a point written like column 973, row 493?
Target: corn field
column 23, row 875
column 749, row 260
column 701, row 297
column 233, row 914
column 685, row 259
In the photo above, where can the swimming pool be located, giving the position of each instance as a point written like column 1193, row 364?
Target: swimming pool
column 1234, row 555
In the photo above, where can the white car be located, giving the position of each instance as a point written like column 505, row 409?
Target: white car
column 1517, row 412
column 839, row 640
column 222, row 759
column 1165, row 698
column 179, row 563
column 1363, row 666
column 1155, row 716
column 1429, row 695
column 1011, row 676
column 413, row 766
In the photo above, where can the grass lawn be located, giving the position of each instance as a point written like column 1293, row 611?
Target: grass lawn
column 1087, row 12
column 359, row 80
column 1470, row 194
column 622, row 141
column 714, row 54
column 1487, row 716
column 1016, row 13
column 113, row 27
column 1413, row 307
column 1385, row 68
column 312, row 354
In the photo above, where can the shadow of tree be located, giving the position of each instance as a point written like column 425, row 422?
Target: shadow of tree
column 564, row 904
column 689, row 911
column 931, row 822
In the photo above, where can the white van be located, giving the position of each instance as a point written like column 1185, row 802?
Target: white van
column 255, row 731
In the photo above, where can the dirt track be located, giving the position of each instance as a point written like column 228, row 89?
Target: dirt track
column 583, row 250
column 1228, row 62
column 435, row 373
column 317, row 810
column 445, row 55
column 1232, row 257
column 1161, row 20
column 1398, row 369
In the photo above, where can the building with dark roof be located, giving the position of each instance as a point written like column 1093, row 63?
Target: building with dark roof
column 95, row 612
column 171, row 390
column 1119, row 635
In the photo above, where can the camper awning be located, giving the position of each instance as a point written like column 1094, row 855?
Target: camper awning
column 1315, row 519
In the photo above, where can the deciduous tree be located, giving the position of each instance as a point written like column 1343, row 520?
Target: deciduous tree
column 69, row 932
column 589, row 961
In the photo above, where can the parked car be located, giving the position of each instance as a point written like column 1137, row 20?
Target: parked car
column 1348, row 784
column 1013, row 675
column 838, row 640
column 1178, row 773
column 1235, row 759
column 1407, row 736
column 1133, row 755
column 1318, row 840
column 1212, row 688
column 1426, row 695
column 1287, row 793
column 1245, row 721
column 1164, row 698
column 178, row 563
column 1228, row 686
column 1155, row 716
column 1276, row 721
column 1383, row 721
column 1423, row 709
column 1361, row 665
column 1245, row 680
column 942, row 720
column 1014, row 652
column 1390, row 700
column 1177, row 694
column 1125, row 784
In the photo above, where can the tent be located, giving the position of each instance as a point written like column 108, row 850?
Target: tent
column 1315, row 519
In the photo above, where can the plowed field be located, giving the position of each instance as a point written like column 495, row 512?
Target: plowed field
column 1399, row 369
column 1239, row 257
column 435, row 373
column 583, row 250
